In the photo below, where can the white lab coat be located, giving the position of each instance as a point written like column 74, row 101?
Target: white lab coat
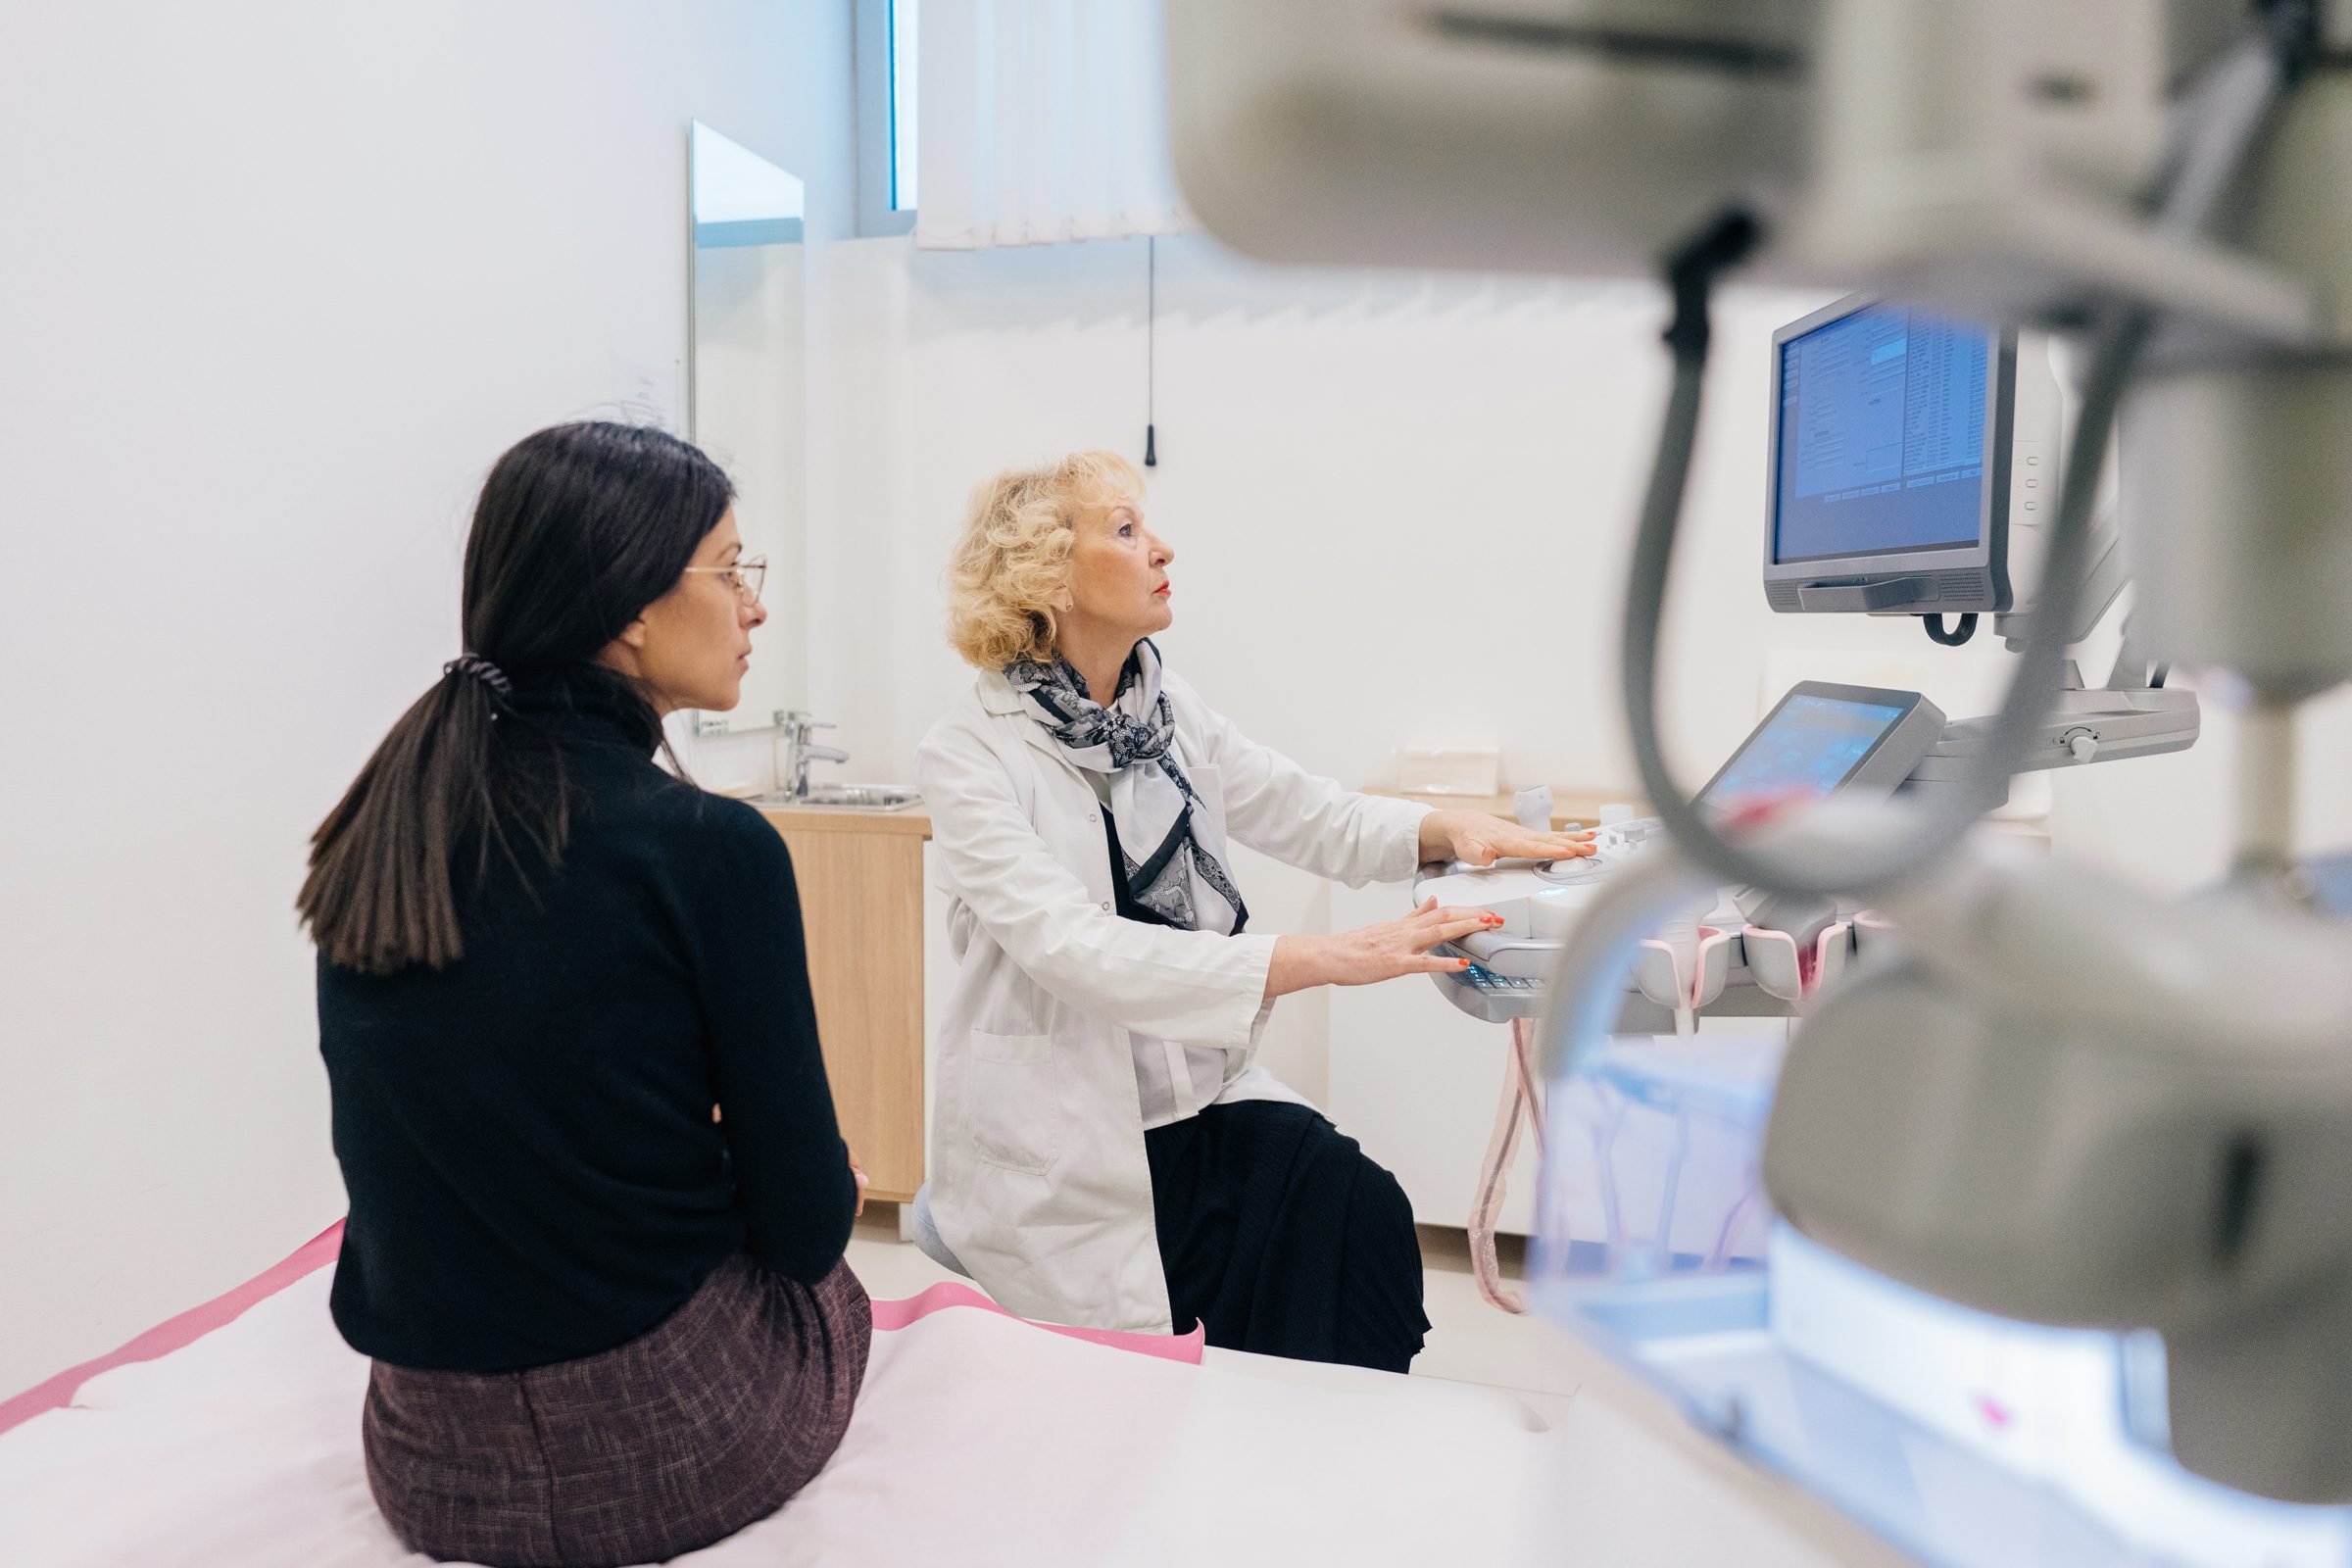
column 1039, row 1183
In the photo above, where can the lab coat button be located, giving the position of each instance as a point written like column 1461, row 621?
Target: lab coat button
column 1105, row 905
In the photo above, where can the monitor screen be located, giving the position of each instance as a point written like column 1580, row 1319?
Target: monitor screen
column 1807, row 747
column 1881, row 437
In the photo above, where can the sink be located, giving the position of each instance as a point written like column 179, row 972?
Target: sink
column 849, row 798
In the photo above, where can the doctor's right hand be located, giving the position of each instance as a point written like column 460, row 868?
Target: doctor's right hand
column 1373, row 953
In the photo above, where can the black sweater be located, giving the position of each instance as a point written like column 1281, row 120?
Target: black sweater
column 526, row 1135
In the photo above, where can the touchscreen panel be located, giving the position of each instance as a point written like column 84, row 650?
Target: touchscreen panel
column 1808, row 747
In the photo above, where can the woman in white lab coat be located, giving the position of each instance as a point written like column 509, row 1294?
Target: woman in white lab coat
column 1104, row 1149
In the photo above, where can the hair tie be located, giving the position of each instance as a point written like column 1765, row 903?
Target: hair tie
column 481, row 669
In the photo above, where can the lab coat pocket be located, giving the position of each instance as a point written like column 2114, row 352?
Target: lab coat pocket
column 1016, row 1102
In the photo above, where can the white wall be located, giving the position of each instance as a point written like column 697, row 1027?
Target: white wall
column 1401, row 506
column 277, row 282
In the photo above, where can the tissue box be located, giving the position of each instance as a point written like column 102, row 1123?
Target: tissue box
column 1447, row 770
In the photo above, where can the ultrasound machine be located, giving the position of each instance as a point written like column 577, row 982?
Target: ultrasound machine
column 1914, row 462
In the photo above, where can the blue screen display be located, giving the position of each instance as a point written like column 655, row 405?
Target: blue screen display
column 1806, row 748
column 1881, row 437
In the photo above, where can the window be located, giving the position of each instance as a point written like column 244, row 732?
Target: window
column 885, row 63
column 902, row 104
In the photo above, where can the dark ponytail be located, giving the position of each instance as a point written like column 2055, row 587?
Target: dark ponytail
column 579, row 527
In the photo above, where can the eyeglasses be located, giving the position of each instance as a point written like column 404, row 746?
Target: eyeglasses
column 745, row 577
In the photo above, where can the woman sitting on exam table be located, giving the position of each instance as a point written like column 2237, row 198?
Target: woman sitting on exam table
column 605, row 1329
column 1104, row 1150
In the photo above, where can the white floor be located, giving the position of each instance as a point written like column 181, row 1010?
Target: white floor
column 1469, row 1341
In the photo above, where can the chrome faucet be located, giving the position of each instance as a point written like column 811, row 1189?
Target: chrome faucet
column 793, row 729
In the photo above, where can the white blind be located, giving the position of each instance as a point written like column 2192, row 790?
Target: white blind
column 1042, row 121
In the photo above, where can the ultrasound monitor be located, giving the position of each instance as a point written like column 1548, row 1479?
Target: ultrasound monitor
column 1824, row 739
column 1891, row 463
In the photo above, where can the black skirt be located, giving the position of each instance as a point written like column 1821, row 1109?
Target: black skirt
column 1280, row 1236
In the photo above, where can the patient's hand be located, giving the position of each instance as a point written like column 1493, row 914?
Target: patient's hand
column 859, row 1176
column 1478, row 838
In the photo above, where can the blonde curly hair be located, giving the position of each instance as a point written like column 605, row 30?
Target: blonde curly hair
column 1012, row 558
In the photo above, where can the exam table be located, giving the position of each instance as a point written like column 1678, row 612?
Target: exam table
column 978, row 1439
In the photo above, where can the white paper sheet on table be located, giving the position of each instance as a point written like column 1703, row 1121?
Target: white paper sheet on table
column 978, row 1440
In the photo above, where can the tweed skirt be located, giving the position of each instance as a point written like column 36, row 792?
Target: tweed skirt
column 673, row 1440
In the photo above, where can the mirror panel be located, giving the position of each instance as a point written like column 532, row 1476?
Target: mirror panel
column 747, row 390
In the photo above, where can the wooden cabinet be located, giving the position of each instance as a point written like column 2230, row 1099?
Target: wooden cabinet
column 860, row 877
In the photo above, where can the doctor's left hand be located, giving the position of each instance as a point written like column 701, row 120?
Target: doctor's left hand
column 1476, row 838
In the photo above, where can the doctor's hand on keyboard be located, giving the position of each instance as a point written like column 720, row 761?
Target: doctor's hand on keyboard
column 1373, row 953
column 1476, row 838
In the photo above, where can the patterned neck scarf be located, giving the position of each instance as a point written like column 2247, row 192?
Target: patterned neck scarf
column 1130, row 740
